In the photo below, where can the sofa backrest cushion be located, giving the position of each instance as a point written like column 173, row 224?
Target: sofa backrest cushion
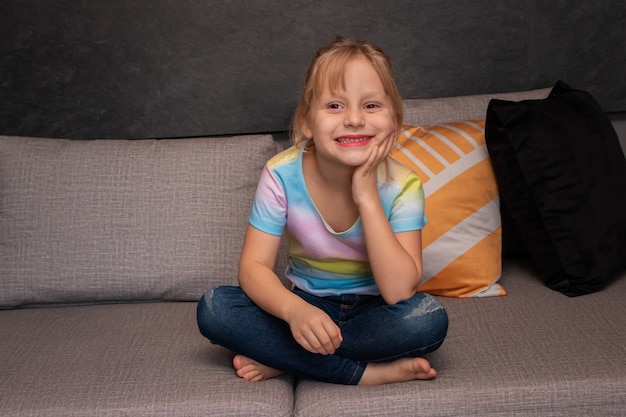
column 123, row 220
column 433, row 111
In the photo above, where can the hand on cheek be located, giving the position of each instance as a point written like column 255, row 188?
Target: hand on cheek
column 364, row 177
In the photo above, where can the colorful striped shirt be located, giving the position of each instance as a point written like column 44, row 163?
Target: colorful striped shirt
column 322, row 261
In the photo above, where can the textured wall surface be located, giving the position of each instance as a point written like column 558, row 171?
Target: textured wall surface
column 162, row 68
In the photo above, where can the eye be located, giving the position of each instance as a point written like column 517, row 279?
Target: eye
column 372, row 106
column 334, row 106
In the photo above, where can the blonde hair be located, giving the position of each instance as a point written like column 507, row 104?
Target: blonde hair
column 327, row 70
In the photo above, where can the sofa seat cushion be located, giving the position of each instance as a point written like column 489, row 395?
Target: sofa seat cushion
column 533, row 352
column 123, row 220
column 126, row 359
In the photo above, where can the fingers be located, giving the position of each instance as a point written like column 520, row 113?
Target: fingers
column 334, row 334
column 364, row 177
column 386, row 146
column 380, row 152
column 323, row 338
column 390, row 142
column 320, row 341
column 373, row 160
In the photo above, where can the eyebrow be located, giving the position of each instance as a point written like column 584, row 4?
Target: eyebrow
column 368, row 94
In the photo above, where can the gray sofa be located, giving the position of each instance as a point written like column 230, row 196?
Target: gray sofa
column 106, row 245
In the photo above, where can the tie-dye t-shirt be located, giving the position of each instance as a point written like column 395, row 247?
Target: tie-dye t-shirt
column 322, row 261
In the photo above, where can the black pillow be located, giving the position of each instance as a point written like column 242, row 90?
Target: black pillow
column 562, row 175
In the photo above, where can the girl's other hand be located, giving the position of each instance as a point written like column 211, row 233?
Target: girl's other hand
column 314, row 330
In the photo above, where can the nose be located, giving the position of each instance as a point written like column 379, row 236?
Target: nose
column 354, row 117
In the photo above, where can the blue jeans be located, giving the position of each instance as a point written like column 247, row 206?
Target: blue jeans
column 372, row 331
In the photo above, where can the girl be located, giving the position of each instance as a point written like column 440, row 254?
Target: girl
column 352, row 219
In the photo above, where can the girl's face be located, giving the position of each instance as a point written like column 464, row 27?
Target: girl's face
column 344, row 124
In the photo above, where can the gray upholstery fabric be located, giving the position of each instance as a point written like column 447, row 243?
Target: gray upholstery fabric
column 534, row 352
column 458, row 109
column 120, row 220
column 123, row 360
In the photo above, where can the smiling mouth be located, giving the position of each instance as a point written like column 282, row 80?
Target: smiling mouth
column 353, row 141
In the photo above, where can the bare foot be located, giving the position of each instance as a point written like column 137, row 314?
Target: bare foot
column 405, row 369
column 253, row 371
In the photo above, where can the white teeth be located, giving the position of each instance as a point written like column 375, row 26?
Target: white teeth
column 348, row 140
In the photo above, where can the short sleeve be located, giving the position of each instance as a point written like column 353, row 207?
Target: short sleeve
column 407, row 210
column 269, row 210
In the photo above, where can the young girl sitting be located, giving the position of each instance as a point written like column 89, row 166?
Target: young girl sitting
column 352, row 219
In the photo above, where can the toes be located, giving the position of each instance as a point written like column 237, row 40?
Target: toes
column 238, row 362
column 423, row 369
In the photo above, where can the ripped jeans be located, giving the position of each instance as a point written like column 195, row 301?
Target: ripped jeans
column 372, row 331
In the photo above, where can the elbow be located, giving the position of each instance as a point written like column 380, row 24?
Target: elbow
column 394, row 297
column 396, row 290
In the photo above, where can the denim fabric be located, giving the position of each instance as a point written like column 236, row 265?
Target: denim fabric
column 372, row 331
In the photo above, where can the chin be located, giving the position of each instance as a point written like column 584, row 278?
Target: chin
column 355, row 161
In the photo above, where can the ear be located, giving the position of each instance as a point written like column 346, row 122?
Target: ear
column 306, row 127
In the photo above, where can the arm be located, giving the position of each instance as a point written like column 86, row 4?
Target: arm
column 310, row 326
column 395, row 258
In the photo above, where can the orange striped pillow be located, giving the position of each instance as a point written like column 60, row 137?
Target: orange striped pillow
column 462, row 242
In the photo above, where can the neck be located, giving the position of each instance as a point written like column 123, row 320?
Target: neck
column 333, row 175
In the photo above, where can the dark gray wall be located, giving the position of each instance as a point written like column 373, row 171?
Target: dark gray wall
column 171, row 68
